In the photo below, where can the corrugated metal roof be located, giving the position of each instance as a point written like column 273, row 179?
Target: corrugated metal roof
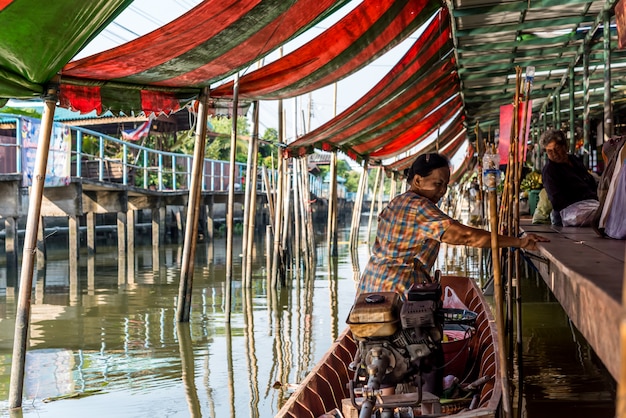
column 493, row 37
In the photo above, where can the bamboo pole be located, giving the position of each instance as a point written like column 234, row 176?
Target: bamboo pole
column 269, row 194
column 332, row 198
column 22, row 316
column 251, row 183
column 379, row 171
column 247, row 192
column 278, row 218
column 310, row 233
column 231, row 201
column 516, row 230
column 304, row 195
column 295, row 170
column 252, row 221
column 498, row 293
column 358, row 204
column 331, row 229
column 286, row 225
column 193, row 205
column 513, row 207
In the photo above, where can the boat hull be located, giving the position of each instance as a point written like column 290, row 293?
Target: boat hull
column 326, row 385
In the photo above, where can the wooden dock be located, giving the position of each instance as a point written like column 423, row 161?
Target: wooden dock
column 585, row 273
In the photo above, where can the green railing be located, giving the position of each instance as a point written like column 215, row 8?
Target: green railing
column 109, row 159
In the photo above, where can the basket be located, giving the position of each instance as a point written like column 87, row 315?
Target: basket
column 458, row 316
column 456, row 350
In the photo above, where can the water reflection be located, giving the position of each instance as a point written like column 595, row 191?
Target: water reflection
column 110, row 334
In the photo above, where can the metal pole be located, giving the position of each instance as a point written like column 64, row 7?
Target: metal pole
column 608, row 106
column 572, row 125
column 22, row 316
column 586, row 110
column 191, row 227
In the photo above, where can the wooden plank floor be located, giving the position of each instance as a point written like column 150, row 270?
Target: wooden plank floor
column 585, row 273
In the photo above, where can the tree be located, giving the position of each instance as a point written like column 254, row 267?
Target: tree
column 268, row 148
column 218, row 146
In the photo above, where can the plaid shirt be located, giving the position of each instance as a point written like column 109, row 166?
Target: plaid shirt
column 409, row 228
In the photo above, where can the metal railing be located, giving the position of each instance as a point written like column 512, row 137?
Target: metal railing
column 110, row 159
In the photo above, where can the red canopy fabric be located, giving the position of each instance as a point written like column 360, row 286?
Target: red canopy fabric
column 210, row 42
column 371, row 29
column 446, row 142
column 420, row 82
column 394, row 144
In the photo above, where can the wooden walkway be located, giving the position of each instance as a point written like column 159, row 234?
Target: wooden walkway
column 585, row 272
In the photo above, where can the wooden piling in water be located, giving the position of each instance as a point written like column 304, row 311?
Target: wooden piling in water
column 90, row 218
column 250, row 206
column 331, row 228
column 231, row 200
column 11, row 241
column 278, row 204
column 186, row 271
column 358, row 205
column 499, row 297
column 22, row 317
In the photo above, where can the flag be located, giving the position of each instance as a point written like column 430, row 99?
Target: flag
column 137, row 134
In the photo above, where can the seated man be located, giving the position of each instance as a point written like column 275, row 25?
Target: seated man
column 571, row 189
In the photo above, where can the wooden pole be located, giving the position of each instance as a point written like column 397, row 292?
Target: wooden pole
column 517, row 283
column 331, row 234
column 305, row 209
column 231, row 200
column 247, row 193
column 22, row 316
column 251, row 185
column 379, row 172
column 191, row 227
column 498, row 293
column 286, row 222
column 358, row 204
column 297, row 216
column 332, row 196
column 278, row 218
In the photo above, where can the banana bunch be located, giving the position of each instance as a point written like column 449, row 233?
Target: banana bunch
column 532, row 181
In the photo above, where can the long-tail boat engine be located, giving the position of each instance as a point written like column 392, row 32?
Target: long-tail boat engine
column 399, row 347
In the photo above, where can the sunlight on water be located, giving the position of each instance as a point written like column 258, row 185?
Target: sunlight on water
column 110, row 345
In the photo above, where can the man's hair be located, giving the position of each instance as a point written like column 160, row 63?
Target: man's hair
column 554, row 135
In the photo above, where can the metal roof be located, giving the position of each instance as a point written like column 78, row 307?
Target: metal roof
column 493, row 37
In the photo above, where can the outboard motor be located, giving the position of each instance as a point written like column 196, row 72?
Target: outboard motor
column 399, row 343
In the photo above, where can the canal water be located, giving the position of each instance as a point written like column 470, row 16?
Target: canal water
column 108, row 344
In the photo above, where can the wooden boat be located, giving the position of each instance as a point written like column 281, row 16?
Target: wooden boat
column 326, row 387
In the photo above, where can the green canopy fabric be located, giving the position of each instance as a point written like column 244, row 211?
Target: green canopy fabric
column 39, row 37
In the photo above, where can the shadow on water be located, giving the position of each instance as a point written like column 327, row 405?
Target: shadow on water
column 108, row 344
column 563, row 377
